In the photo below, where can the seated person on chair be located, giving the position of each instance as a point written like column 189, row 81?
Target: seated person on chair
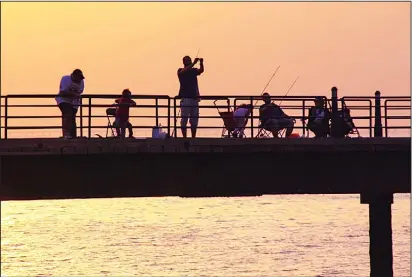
column 273, row 118
column 241, row 115
column 122, row 114
column 318, row 120
column 345, row 125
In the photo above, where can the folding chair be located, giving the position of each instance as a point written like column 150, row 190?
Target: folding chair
column 263, row 133
column 110, row 112
column 229, row 124
column 345, row 114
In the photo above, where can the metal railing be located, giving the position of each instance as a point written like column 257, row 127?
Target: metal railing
column 21, row 113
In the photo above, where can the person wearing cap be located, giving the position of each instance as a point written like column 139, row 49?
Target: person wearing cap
column 68, row 101
column 189, row 93
column 318, row 120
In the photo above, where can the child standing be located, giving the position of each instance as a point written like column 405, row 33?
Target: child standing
column 122, row 113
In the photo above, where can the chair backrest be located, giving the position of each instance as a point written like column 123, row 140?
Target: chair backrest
column 111, row 111
column 228, row 120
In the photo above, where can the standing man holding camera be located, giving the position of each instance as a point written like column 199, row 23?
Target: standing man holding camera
column 68, row 101
column 189, row 93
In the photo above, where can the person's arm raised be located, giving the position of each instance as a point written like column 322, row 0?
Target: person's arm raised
column 202, row 68
column 183, row 70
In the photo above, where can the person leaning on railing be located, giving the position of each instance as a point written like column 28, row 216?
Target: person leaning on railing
column 68, row 101
column 189, row 92
column 273, row 118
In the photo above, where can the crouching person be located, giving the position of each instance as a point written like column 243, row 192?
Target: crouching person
column 122, row 114
column 273, row 118
column 319, row 117
column 241, row 116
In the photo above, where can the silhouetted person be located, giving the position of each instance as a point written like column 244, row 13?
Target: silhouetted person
column 68, row 101
column 241, row 115
column 122, row 114
column 273, row 118
column 319, row 117
column 189, row 92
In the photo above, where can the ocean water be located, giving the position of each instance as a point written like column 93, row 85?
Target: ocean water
column 290, row 235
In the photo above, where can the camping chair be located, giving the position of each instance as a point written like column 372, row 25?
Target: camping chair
column 229, row 124
column 347, row 118
column 263, row 133
column 110, row 112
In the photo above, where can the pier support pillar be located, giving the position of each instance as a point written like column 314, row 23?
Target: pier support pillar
column 380, row 233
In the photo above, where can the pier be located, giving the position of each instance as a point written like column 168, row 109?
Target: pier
column 375, row 165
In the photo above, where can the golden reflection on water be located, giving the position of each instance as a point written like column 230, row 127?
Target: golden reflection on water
column 266, row 236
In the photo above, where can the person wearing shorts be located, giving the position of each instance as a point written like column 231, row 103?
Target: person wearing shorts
column 189, row 94
column 68, row 101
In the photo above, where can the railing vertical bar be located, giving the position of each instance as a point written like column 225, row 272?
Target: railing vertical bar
column 6, row 103
column 81, row 117
column 168, row 117
column 89, row 117
column 252, row 117
column 157, row 112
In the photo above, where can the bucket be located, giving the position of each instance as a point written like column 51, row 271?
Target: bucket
column 294, row 135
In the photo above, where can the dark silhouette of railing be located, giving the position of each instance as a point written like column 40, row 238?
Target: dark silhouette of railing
column 365, row 111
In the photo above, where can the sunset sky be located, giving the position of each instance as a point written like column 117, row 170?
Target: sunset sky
column 358, row 47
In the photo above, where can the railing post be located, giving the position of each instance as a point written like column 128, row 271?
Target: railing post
column 378, row 115
column 251, row 117
column 81, row 117
column 157, row 112
column 335, row 112
column 5, row 116
column 175, row 118
column 89, row 127
column 168, row 117
column 303, row 117
column 1, row 119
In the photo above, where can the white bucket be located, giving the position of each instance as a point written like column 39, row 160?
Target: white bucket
column 156, row 132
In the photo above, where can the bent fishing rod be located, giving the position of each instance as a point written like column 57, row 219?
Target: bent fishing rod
column 289, row 89
column 268, row 84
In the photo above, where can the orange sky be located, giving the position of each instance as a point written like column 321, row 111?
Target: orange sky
column 358, row 47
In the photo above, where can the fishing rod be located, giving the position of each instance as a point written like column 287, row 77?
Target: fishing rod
column 289, row 89
column 268, row 83
column 180, row 109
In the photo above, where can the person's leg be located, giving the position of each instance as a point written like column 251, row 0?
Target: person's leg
column 272, row 126
column 122, row 125
column 288, row 124
column 130, row 128
column 239, row 121
column 194, row 116
column 66, row 110
column 184, row 113
column 73, row 129
column 117, row 127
